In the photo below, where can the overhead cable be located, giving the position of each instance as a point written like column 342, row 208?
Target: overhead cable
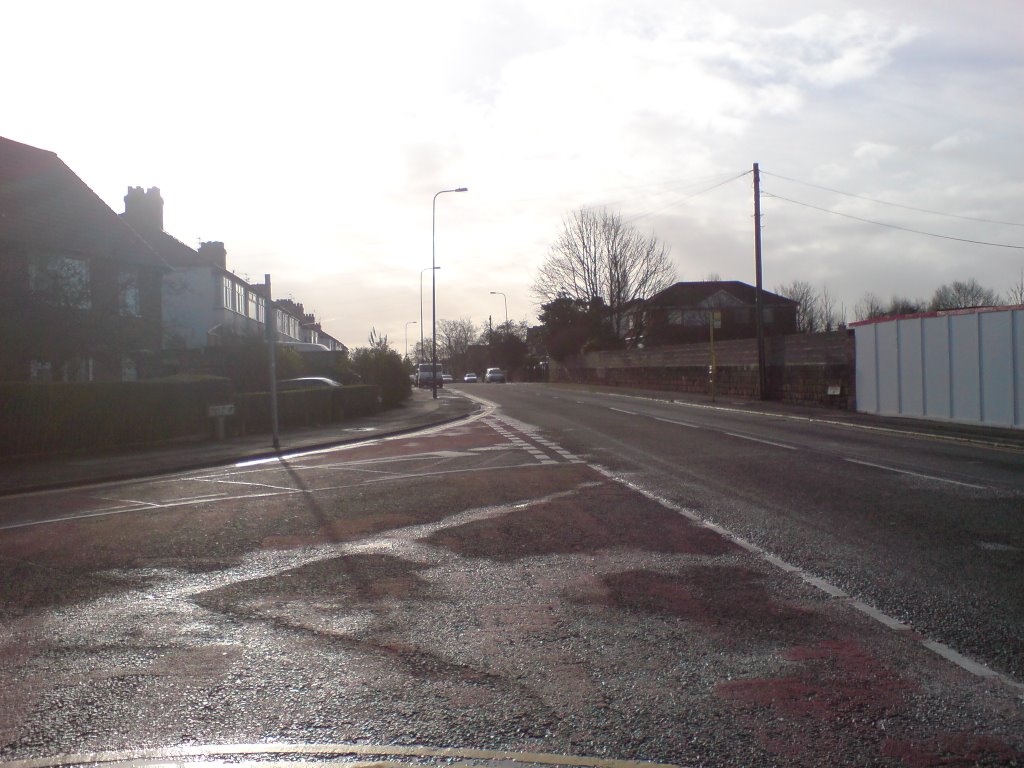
column 891, row 226
column 895, row 205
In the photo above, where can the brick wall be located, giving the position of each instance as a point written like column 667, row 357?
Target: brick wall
column 801, row 368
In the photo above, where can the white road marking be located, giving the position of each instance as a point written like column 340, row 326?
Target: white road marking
column 413, row 755
column 620, row 410
column 678, row 423
column 965, row 663
column 917, row 474
column 759, row 440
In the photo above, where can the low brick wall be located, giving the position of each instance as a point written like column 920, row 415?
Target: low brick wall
column 813, row 369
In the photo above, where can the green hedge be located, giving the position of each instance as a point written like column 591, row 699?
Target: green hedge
column 303, row 408
column 68, row 418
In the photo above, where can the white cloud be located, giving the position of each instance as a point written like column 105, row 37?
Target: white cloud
column 956, row 141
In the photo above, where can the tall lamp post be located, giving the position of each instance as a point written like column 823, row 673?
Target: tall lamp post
column 433, row 289
column 411, row 322
column 425, row 269
column 499, row 293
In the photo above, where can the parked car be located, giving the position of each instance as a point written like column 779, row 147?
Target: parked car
column 495, row 375
column 447, row 378
column 470, row 378
column 307, row 382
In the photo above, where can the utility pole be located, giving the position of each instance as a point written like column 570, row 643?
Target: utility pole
column 762, row 377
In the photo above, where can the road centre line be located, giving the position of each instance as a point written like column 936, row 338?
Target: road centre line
column 620, row 410
column 678, row 423
column 828, row 422
column 759, row 440
column 916, row 474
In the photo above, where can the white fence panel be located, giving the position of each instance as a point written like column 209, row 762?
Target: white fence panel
column 963, row 366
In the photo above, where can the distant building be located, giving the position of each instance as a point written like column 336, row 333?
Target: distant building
column 204, row 304
column 80, row 296
column 681, row 313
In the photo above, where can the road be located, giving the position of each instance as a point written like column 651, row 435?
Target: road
column 533, row 584
column 927, row 529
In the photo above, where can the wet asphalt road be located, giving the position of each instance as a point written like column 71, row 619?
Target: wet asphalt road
column 499, row 586
column 929, row 530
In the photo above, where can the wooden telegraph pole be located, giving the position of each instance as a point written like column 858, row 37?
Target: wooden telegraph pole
column 762, row 377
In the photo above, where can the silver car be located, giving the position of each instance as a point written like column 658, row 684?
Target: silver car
column 495, row 375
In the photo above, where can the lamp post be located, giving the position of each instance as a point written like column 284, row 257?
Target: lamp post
column 499, row 293
column 425, row 269
column 411, row 322
column 433, row 289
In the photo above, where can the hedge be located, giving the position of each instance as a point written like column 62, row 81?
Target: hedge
column 303, row 407
column 67, row 418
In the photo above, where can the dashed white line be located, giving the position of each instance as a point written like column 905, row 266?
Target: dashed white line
column 917, row 474
column 760, row 440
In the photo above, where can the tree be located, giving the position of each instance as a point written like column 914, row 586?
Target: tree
column 507, row 345
column 572, row 324
column 816, row 311
column 870, row 306
column 453, row 340
column 379, row 364
column 598, row 256
column 1015, row 295
column 962, row 294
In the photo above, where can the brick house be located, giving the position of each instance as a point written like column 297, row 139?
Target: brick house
column 80, row 292
column 680, row 314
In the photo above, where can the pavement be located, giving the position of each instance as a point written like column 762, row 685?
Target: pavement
column 421, row 410
column 37, row 474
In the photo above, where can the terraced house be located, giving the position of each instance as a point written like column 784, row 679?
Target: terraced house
column 80, row 290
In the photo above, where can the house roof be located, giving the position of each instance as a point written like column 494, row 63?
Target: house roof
column 45, row 205
column 696, row 293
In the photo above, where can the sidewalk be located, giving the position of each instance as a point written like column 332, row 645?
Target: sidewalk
column 421, row 410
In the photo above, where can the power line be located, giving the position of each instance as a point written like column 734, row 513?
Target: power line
column 688, row 197
column 895, row 205
column 892, row 226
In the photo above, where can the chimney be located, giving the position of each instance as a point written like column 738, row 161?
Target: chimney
column 144, row 209
column 215, row 253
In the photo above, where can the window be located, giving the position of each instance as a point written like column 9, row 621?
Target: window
column 238, row 305
column 62, row 280
column 40, row 371
column 129, row 370
column 226, row 293
column 128, row 292
column 675, row 317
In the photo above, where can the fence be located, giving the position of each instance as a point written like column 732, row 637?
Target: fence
column 963, row 365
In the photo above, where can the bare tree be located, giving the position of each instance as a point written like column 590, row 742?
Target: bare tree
column 817, row 311
column 454, row 338
column 870, row 306
column 597, row 255
column 803, row 294
column 961, row 294
column 1015, row 294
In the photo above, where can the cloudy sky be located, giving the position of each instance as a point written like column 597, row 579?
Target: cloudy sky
column 310, row 137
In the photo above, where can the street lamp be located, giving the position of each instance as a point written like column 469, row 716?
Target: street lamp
column 411, row 322
column 425, row 269
column 499, row 293
column 433, row 289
